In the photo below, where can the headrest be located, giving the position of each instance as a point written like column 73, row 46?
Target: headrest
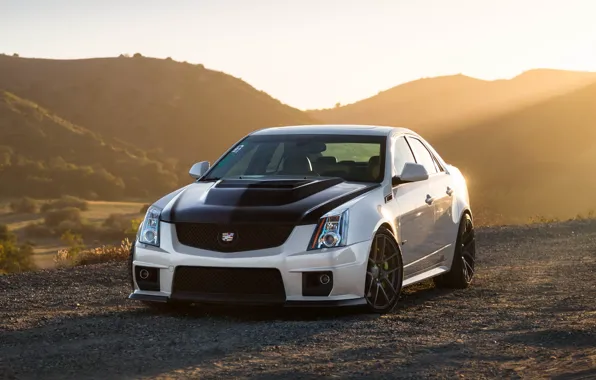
column 297, row 164
column 326, row 160
column 374, row 167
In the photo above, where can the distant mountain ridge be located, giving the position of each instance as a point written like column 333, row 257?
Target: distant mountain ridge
column 130, row 127
column 173, row 109
column 430, row 105
column 534, row 160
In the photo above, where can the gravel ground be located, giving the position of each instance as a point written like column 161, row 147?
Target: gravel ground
column 531, row 313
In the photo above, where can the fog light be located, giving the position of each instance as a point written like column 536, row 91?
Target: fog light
column 144, row 274
column 317, row 284
column 147, row 278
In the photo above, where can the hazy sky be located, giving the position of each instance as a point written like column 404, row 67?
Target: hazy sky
column 314, row 53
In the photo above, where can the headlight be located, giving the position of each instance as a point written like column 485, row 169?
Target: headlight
column 149, row 229
column 331, row 231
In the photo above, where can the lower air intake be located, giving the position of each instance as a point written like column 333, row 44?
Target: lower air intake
column 252, row 285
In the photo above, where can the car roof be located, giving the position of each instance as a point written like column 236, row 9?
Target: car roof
column 333, row 129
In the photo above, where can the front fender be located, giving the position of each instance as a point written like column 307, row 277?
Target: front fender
column 367, row 215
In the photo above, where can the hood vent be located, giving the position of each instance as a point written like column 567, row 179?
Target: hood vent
column 248, row 193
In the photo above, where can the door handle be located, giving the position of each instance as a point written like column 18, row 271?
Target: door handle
column 429, row 200
column 449, row 191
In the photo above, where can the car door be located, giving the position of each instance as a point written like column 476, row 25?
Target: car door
column 440, row 201
column 415, row 215
column 446, row 224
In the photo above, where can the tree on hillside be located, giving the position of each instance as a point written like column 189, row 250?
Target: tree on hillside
column 137, row 55
column 14, row 258
column 15, row 55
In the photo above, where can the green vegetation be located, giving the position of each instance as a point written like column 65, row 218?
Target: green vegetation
column 65, row 226
column 24, row 205
column 64, row 202
column 352, row 151
column 70, row 220
column 57, row 158
column 14, row 257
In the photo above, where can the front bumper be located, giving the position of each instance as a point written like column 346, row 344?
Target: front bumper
column 346, row 265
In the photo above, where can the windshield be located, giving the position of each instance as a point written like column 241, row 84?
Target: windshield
column 353, row 158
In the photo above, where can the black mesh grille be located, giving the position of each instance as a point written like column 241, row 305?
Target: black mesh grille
column 246, row 237
column 203, row 283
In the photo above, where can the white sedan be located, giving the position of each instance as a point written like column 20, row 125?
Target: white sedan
column 325, row 215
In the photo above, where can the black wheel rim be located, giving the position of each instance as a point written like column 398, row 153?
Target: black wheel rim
column 468, row 251
column 383, row 274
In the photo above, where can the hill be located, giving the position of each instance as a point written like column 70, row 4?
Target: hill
column 536, row 160
column 430, row 105
column 173, row 110
column 43, row 155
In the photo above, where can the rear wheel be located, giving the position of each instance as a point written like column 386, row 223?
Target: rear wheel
column 384, row 273
column 464, row 258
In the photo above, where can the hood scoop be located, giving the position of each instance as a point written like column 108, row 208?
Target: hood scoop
column 262, row 184
column 255, row 193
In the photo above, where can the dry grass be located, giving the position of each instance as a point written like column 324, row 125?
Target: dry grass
column 46, row 248
column 75, row 256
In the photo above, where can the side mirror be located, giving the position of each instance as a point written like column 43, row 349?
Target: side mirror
column 199, row 169
column 411, row 173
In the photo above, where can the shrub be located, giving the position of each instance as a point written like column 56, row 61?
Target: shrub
column 75, row 255
column 6, row 234
column 64, row 202
column 75, row 227
column 70, row 255
column 38, row 230
column 14, row 258
column 56, row 217
column 137, row 55
column 118, row 222
column 24, row 205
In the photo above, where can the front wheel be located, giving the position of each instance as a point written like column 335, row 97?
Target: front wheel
column 464, row 258
column 384, row 273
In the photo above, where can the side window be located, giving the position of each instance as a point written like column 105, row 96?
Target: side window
column 438, row 164
column 401, row 155
column 422, row 155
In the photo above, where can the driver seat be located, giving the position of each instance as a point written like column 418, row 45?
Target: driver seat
column 374, row 167
column 297, row 164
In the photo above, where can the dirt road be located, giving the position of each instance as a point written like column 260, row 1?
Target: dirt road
column 531, row 313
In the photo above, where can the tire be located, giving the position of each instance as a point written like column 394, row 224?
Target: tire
column 384, row 273
column 462, row 270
